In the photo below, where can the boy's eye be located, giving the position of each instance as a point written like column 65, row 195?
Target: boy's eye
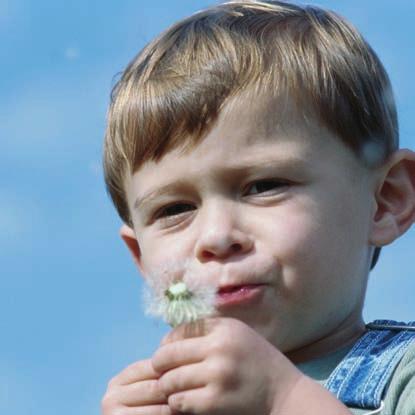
column 268, row 186
column 174, row 210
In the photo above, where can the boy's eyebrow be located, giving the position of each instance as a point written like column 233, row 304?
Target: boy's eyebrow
column 293, row 163
column 168, row 188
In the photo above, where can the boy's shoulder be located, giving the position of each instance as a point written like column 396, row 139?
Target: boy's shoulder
column 400, row 395
column 377, row 374
column 378, row 369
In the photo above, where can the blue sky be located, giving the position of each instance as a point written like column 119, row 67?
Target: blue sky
column 70, row 315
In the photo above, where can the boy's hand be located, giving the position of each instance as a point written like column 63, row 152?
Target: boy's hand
column 135, row 391
column 229, row 369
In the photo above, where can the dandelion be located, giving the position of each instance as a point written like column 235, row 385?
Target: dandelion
column 177, row 295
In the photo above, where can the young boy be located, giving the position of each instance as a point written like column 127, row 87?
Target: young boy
column 258, row 142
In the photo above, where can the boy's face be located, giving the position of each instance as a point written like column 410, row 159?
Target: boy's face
column 280, row 209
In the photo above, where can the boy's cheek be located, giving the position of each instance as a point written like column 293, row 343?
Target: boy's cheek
column 159, row 252
column 155, row 261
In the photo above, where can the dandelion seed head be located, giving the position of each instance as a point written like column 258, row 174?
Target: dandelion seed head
column 175, row 293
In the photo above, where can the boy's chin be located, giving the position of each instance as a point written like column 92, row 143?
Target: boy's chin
column 265, row 330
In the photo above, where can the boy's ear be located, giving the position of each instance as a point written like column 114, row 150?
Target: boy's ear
column 128, row 236
column 395, row 199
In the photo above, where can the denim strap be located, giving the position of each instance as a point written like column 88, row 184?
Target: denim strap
column 362, row 377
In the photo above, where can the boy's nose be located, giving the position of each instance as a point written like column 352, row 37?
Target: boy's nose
column 221, row 236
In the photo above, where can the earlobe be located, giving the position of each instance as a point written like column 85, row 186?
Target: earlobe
column 395, row 199
column 128, row 236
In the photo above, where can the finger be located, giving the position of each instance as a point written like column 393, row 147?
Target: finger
column 195, row 401
column 182, row 378
column 179, row 353
column 138, row 371
column 197, row 328
column 147, row 392
column 149, row 410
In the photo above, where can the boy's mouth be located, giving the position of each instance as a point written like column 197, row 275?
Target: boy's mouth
column 238, row 294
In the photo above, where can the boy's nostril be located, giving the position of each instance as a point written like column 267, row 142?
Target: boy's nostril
column 236, row 247
column 211, row 253
column 208, row 254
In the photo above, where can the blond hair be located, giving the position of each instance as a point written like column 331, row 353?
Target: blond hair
column 172, row 91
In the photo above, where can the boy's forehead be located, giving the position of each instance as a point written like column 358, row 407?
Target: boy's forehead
column 250, row 130
column 249, row 125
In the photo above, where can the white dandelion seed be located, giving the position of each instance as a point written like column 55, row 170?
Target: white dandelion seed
column 177, row 295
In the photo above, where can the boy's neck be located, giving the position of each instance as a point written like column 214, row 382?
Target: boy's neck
column 344, row 336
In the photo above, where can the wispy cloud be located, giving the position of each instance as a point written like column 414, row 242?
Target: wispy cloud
column 31, row 121
column 48, row 118
column 12, row 383
column 72, row 53
column 11, row 225
column 4, row 10
column 15, row 223
column 95, row 167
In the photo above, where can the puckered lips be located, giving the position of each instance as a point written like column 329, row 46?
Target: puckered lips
column 242, row 294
